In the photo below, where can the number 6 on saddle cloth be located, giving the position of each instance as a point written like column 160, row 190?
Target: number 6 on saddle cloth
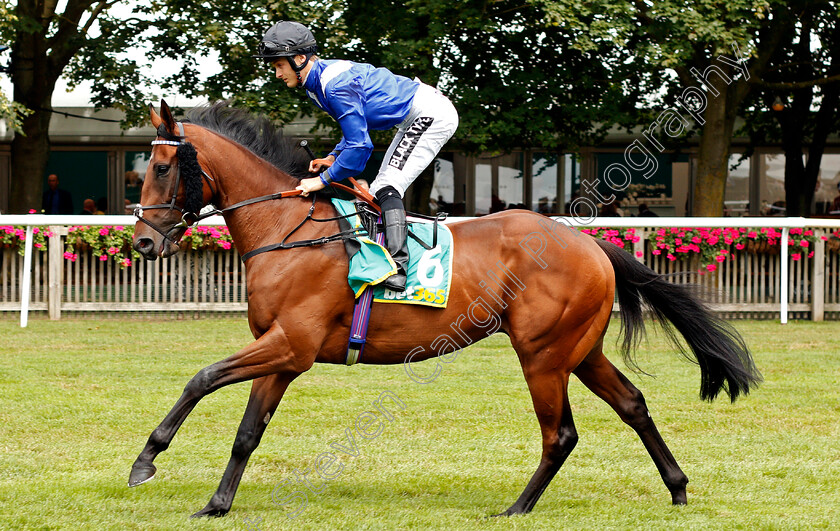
column 429, row 271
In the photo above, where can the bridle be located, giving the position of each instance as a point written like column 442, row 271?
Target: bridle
column 190, row 213
column 187, row 156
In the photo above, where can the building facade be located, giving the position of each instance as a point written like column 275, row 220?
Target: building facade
column 95, row 159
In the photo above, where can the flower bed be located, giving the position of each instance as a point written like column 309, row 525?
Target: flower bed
column 16, row 237
column 716, row 245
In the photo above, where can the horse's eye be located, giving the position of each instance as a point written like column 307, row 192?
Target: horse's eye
column 161, row 170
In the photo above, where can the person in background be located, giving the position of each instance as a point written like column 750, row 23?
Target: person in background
column 133, row 184
column 101, row 206
column 835, row 205
column 56, row 200
column 645, row 212
column 88, row 207
column 611, row 210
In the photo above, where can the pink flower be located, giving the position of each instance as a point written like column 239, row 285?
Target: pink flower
column 656, row 252
column 35, row 230
column 671, row 257
column 739, row 246
column 752, row 235
column 189, row 232
column 38, row 245
column 696, row 239
column 32, row 211
column 103, row 232
column 70, row 256
column 125, row 262
column 119, row 227
column 113, row 250
column 103, row 257
column 225, row 245
column 811, row 254
column 795, row 257
column 804, row 243
column 720, row 257
column 639, row 254
column 711, row 267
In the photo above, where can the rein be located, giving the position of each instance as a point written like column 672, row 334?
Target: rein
column 193, row 173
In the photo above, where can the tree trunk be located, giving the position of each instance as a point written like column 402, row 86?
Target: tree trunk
column 36, row 66
column 30, row 153
column 713, row 158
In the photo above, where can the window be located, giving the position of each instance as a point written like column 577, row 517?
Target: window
column 544, row 197
column 499, row 183
column 736, row 201
column 136, row 163
column 827, row 183
column 82, row 173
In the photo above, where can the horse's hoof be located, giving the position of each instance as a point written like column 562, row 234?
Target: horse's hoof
column 141, row 474
column 214, row 512
column 506, row 513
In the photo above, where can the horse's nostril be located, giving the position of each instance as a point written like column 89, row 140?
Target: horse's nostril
column 144, row 245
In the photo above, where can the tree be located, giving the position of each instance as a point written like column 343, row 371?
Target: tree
column 92, row 40
column 803, row 78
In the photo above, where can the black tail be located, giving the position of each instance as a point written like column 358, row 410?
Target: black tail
column 724, row 359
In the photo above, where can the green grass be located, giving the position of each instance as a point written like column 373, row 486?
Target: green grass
column 78, row 398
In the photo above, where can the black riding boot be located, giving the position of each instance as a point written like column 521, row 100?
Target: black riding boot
column 396, row 233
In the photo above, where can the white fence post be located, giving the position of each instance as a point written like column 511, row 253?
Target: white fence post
column 818, row 278
column 785, row 276
column 55, row 269
column 26, row 281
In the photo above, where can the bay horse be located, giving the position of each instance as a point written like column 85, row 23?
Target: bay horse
column 547, row 286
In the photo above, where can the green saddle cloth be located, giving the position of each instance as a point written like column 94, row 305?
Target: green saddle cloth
column 429, row 272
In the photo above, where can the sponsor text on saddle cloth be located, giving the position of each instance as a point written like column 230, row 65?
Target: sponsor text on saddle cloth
column 429, row 272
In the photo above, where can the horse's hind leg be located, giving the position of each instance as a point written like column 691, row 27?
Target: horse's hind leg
column 266, row 394
column 603, row 379
column 551, row 404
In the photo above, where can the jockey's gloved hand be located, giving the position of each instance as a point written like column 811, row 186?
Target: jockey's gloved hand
column 319, row 165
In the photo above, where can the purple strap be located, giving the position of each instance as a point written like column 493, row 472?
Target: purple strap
column 361, row 318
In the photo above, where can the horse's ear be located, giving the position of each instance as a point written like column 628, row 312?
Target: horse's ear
column 167, row 118
column 156, row 119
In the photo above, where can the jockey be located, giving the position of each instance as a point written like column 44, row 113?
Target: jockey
column 361, row 97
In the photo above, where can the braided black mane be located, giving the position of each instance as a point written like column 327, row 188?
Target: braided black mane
column 256, row 133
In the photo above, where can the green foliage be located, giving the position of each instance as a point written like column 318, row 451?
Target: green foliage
column 12, row 112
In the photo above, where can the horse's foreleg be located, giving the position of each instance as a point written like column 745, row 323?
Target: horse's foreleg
column 603, row 379
column 266, row 394
column 267, row 355
column 551, row 404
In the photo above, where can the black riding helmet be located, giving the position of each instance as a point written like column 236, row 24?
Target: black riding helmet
column 288, row 39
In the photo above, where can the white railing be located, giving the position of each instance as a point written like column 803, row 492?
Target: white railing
column 215, row 280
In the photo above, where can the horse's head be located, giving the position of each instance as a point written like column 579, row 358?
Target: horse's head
column 173, row 190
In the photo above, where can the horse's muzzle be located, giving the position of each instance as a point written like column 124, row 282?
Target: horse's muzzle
column 150, row 250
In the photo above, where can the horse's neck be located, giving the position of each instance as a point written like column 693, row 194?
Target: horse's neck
column 240, row 175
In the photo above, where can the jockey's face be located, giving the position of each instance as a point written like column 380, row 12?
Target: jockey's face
column 283, row 70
